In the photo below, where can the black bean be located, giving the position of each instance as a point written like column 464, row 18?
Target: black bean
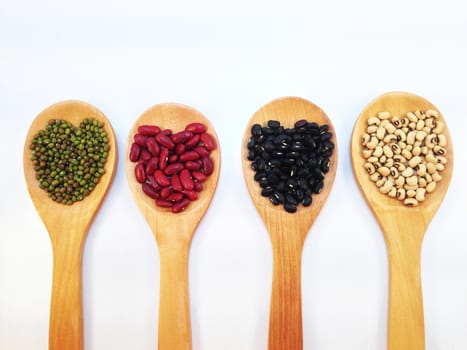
column 260, row 175
column 289, row 198
column 269, row 146
column 307, row 201
column 326, row 136
column 289, row 131
column 281, row 138
column 251, row 155
column 267, row 191
column 279, row 196
column 325, row 165
column 268, row 131
column 318, row 187
column 323, row 129
column 274, row 200
column 275, row 163
column 301, row 123
column 273, row 124
column 256, row 130
column 290, row 208
column 251, row 143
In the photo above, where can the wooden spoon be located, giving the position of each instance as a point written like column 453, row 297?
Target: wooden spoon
column 403, row 227
column 67, row 226
column 173, row 232
column 287, row 231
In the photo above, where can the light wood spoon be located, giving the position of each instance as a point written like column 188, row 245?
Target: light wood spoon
column 173, row 232
column 287, row 231
column 67, row 226
column 403, row 227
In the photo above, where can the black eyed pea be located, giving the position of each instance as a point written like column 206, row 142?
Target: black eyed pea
column 390, row 138
column 394, row 172
column 389, row 162
column 429, row 123
column 442, row 159
column 422, row 182
column 424, row 150
column 410, row 193
column 372, row 129
column 387, row 186
column 416, row 151
column 400, row 182
column 375, row 177
column 384, row 115
column 436, row 177
column 420, row 125
column 414, row 161
column 399, row 166
column 373, row 159
column 421, row 169
column 430, row 158
column 431, row 168
column 398, row 158
column 411, row 137
column 388, row 151
column 431, row 140
column 420, row 136
column 406, row 154
column 404, row 123
column 392, row 192
column 373, row 143
column 383, row 159
column 442, row 140
column 381, row 182
column 431, row 113
column 380, row 132
column 430, row 187
column 400, row 194
column 426, row 129
column 420, row 195
column 384, row 171
column 395, row 148
column 396, row 121
column 410, row 202
column 412, row 126
column 412, row 117
column 365, row 139
column 411, row 180
column 370, row 168
column 440, row 151
column 389, row 128
column 438, row 127
column 367, row 153
column 374, row 121
column 428, row 178
column 378, row 151
column 439, row 167
column 401, row 135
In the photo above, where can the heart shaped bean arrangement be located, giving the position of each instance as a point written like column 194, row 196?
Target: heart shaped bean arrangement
column 69, row 161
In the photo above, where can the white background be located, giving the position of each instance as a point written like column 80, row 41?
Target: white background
column 227, row 59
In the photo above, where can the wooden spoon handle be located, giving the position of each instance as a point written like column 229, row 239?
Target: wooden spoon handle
column 66, row 310
column 405, row 314
column 285, row 320
column 174, row 308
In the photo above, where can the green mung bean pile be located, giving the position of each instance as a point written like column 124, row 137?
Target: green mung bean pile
column 69, row 161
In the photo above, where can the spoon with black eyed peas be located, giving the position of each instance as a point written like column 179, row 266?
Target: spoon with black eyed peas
column 402, row 158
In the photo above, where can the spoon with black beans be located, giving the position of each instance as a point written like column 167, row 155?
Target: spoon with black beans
column 289, row 161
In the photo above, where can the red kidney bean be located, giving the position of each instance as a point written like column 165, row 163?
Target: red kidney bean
column 180, row 206
column 193, row 141
column 135, row 151
column 167, row 132
column 145, row 155
column 208, row 141
column 166, row 192
column 140, row 174
column 164, row 203
column 180, row 148
column 173, row 168
column 190, row 165
column 161, row 179
column 149, row 130
column 154, row 183
column 207, row 166
column 199, row 176
column 175, row 197
column 182, row 136
column 191, row 195
column 173, row 158
column 164, row 158
column 202, row 151
column 196, row 128
column 140, row 140
column 186, row 180
column 176, row 184
column 198, row 186
column 190, row 155
column 153, row 146
column 151, row 166
column 151, row 191
column 164, row 140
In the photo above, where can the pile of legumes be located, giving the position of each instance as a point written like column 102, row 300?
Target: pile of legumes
column 290, row 163
column 405, row 155
column 69, row 161
column 171, row 167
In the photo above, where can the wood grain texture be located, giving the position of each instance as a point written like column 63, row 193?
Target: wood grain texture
column 287, row 231
column 173, row 232
column 67, row 227
column 403, row 227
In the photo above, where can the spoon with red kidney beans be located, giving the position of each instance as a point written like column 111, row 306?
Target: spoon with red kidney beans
column 275, row 175
column 175, row 162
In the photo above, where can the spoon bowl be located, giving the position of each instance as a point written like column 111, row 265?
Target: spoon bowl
column 173, row 232
column 67, row 226
column 403, row 227
column 287, row 231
